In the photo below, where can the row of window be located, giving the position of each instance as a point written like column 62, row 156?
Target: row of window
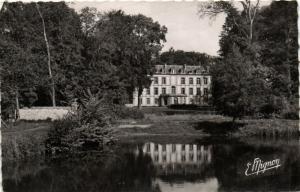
column 183, row 147
column 173, row 91
column 182, row 80
column 176, row 101
column 183, row 158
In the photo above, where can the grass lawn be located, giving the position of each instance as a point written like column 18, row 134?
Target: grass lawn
column 23, row 140
column 210, row 125
column 26, row 139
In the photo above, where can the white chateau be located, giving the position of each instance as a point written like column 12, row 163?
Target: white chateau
column 176, row 84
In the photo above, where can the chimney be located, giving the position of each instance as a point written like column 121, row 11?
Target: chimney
column 184, row 69
column 165, row 69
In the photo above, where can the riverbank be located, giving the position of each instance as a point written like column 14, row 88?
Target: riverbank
column 26, row 139
column 207, row 125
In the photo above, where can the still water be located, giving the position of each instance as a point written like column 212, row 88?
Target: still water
column 165, row 165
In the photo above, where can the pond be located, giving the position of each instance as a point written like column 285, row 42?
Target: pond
column 168, row 164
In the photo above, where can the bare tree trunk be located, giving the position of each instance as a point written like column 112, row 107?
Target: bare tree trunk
column 17, row 113
column 251, row 14
column 139, row 98
column 49, row 58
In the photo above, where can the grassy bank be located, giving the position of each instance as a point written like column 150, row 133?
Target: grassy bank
column 210, row 125
column 24, row 140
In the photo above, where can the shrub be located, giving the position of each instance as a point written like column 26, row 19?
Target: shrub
column 291, row 115
column 291, row 111
column 88, row 128
column 21, row 147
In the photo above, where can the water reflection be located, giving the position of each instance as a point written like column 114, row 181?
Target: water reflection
column 181, row 167
column 159, row 167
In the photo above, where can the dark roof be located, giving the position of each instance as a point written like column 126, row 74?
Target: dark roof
column 180, row 69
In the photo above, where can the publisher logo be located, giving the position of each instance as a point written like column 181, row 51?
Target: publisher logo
column 258, row 166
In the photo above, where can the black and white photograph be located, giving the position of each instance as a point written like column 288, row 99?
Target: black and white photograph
column 149, row 96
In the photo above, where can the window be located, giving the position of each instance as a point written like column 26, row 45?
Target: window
column 163, row 90
column 164, row 148
column 148, row 91
column 175, row 100
column 191, row 147
column 156, row 147
column 156, row 158
column 182, row 80
column 198, row 91
column 191, row 156
column 205, row 91
column 183, row 148
column 163, row 80
column 156, row 101
column 164, row 159
column 199, row 157
column 191, row 81
column 205, row 80
column 198, row 81
column 183, row 158
column 141, row 101
column 182, row 90
column 173, row 90
column 148, row 147
column 173, row 147
column 148, row 101
column 155, row 80
column 155, row 90
column 191, row 91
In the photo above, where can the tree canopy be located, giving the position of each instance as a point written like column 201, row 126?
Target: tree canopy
column 256, row 73
column 180, row 57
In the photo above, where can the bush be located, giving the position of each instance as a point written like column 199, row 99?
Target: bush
column 88, row 128
column 291, row 112
column 22, row 147
column 291, row 115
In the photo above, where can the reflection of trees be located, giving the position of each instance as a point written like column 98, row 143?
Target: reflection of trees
column 230, row 162
column 126, row 173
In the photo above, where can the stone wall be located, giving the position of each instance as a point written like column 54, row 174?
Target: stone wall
column 43, row 113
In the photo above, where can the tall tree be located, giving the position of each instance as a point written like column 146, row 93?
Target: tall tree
column 239, row 78
column 125, row 46
column 24, row 31
column 278, row 34
column 48, row 57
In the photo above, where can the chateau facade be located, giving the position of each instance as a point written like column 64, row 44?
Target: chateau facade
column 176, row 84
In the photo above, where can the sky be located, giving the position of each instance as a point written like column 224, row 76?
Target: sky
column 186, row 31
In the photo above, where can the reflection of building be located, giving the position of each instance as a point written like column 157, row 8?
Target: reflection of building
column 176, row 84
column 178, row 158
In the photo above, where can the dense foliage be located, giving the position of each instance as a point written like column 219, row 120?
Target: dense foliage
column 87, row 128
column 179, row 57
column 257, row 73
column 107, row 54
